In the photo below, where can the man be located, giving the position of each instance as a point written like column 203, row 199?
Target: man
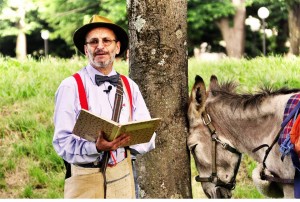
column 101, row 41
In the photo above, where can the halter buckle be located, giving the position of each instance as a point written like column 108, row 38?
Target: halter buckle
column 219, row 141
column 209, row 119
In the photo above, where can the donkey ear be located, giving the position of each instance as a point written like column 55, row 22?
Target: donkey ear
column 214, row 84
column 197, row 100
column 198, row 93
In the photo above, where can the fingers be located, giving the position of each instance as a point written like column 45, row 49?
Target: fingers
column 103, row 145
column 120, row 141
column 124, row 139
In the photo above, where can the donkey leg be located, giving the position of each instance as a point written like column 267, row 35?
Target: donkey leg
column 288, row 191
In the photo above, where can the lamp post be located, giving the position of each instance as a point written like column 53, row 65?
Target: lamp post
column 263, row 13
column 45, row 36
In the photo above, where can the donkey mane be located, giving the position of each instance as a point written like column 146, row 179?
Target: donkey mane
column 226, row 92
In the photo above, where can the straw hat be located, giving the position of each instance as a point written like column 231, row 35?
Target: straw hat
column 99, row 21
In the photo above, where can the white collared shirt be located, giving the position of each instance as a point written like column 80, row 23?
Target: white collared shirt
column 67, row 107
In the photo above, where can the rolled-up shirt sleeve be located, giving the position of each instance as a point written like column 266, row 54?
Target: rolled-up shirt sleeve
column 70, row 147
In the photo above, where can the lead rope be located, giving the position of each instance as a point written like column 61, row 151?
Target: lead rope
column 115, row 117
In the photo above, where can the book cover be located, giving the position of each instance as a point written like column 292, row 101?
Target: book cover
column 89, row 125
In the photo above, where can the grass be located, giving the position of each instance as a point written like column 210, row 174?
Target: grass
column 29, row 166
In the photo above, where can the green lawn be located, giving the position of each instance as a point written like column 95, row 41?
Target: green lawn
column 29, row 166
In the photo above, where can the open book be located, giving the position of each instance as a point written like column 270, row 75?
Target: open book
column 88, row 126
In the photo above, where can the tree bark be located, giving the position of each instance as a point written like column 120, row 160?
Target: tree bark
column 158, row 64
column 294, row 28
column 233, row 30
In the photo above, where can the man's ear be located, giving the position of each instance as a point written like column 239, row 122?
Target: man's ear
column 85, row 50
column 118, row 47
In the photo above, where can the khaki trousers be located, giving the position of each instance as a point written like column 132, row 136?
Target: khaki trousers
column 89, row 183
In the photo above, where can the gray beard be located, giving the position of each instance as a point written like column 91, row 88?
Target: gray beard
column 101, row 64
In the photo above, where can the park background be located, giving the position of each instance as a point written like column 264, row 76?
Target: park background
column 32, row 68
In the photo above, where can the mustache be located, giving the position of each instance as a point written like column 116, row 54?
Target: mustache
column 97, row 52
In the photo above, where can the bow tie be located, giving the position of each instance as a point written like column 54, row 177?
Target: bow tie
column 113, row 80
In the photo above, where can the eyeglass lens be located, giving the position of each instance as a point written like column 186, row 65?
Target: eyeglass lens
column 105, row 41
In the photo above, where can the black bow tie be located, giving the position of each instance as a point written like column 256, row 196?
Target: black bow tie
column 113, row 80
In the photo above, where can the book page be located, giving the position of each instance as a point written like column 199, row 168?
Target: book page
column 88, row 126
column 140, row 132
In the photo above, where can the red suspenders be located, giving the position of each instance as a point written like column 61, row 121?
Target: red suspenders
column 84, row 105
column 82, row 94
column 128, row 91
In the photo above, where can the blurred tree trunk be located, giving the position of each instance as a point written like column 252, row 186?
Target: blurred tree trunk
column 21, row 48
column 294, row 28
column 158, row 63
column 233, row 30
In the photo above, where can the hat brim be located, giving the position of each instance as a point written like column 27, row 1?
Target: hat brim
column 80, row 34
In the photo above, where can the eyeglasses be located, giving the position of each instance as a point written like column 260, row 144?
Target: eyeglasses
column 105, row 41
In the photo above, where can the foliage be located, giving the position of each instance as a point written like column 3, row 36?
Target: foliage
column 202, row 16
column 209, row 11
column 292, row 3
column 115, row 10
column 65, row 17
column 12, row 13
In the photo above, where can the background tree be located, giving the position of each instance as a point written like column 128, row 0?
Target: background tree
column 294, row 25
column 233, row 30
column 158, row 63
column 14, row 23
column 228, row 15
column 203, row 17
column 202, row 26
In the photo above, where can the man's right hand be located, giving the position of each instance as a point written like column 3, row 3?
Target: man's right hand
column 103, row 145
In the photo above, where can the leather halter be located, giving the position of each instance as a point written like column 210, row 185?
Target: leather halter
column 213, row 178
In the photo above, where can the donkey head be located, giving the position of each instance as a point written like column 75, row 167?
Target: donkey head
column 219, row 170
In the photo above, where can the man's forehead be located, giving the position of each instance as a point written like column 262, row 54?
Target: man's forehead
column 100, row 31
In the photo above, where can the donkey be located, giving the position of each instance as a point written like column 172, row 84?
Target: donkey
column 223, row 124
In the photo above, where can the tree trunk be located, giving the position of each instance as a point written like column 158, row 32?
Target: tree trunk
column 21, row 48
column 233, row 30
column 294, row 28
column 158, row 63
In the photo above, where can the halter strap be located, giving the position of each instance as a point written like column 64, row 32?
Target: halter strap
column 214, row 176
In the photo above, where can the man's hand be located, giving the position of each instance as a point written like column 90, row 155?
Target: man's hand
column 103, row 145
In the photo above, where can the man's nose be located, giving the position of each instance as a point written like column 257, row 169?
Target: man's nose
column 100, row 44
